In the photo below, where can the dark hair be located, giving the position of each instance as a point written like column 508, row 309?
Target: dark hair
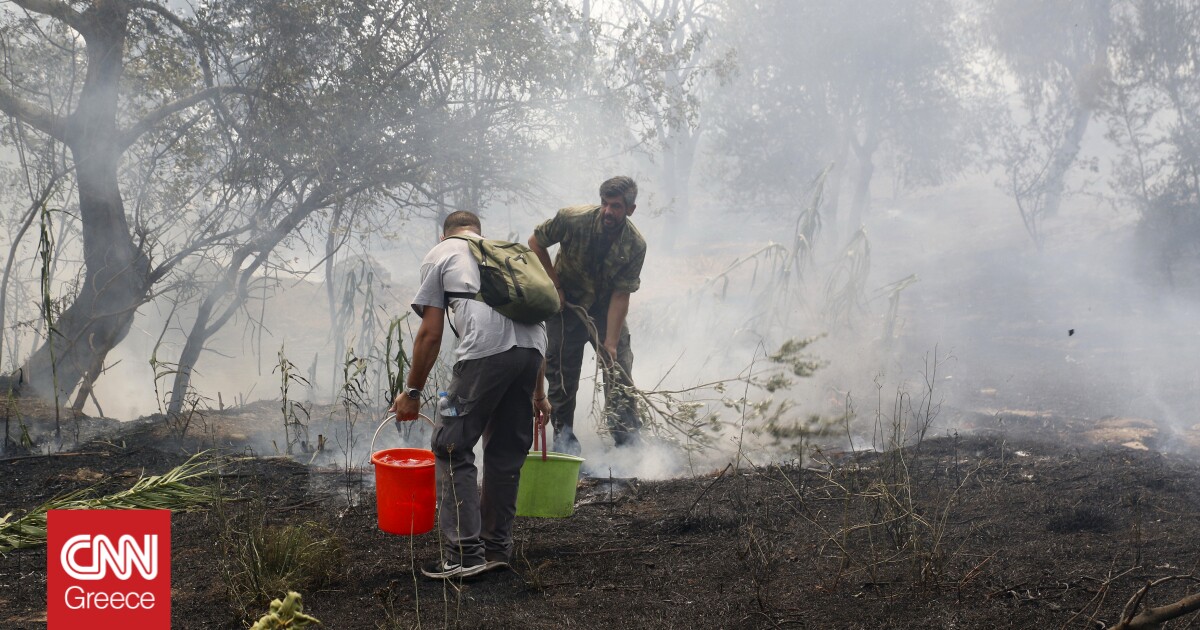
column 620, row 185
column 461, row 219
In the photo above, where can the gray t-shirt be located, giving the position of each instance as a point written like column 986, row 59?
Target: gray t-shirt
column 450, row 267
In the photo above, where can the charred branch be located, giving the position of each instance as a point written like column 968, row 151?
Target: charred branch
column 57, row 10
column 1153, row 618
column 37, row 117
column 126, row 138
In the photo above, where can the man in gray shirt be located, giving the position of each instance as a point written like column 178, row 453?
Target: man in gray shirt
column 496, row 389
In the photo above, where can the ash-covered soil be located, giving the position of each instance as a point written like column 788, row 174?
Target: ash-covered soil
column 990, row 529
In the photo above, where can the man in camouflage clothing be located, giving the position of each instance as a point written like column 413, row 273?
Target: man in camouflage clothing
column 599, row 264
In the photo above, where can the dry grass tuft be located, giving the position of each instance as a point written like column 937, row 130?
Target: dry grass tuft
column 269, row 559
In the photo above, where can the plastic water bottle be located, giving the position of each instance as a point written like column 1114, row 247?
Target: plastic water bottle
column 445, row 408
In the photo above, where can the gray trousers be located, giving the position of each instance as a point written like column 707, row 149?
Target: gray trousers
column 494, row 400
column 566, row 336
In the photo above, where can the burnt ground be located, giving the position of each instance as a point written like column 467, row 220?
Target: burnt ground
column 1002, row 527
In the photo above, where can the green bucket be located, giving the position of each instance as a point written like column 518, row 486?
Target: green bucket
column 547, row 487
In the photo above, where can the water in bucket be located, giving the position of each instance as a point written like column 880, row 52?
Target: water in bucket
column 405, row 490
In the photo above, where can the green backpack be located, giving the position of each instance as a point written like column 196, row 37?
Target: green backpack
column 512, row 281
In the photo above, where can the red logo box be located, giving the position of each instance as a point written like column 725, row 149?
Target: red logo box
column 108, row 569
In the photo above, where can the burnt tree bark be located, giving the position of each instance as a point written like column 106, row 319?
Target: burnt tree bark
column 1154, row 618
column 116, row 277
column 865, row 153
column 117, row 273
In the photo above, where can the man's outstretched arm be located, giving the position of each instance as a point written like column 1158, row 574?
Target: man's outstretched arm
column 543, row 255
column 618, row 308
column 426, row 346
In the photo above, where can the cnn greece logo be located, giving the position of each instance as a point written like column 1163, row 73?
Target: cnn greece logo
column 121, row 557
column 108, row 569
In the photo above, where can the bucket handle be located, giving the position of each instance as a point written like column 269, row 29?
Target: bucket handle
column 539, row 430
column 388, row 418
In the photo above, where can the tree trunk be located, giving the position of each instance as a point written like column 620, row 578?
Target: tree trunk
column 862, row 180
column 684, row 161
column 242, row 266
column 1087, row 78
column 679, row 157
column 670, row 182
column 116, row 280
column 1064, row 157
column 190, row 354
column 833, row 191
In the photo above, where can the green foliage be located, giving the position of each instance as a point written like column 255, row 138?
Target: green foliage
column 285, row 614
column 11, row 408
column 834, row 82
column 395, row 359
column 846, row 286
column 893, row 291
column 791, row 354
column 238, row 124
column 168, row 491
column 353, row 396
column 662, row 60
column 49, row 312
column 1150, row 104
column 161, row 370
column 293, row 426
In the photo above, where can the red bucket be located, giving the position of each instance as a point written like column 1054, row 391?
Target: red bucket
column 405, row 490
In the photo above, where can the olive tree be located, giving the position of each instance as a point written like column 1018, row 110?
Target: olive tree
column 376, row 109
column 1058, row 55
column 837, row 83
column 1150, row 106
column 202, row 143
column 664, row 61
column 143, row 66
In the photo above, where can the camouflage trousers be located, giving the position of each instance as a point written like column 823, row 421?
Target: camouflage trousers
column 566, row 337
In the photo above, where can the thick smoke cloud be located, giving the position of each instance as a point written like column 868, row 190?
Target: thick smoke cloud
column 1000, row 220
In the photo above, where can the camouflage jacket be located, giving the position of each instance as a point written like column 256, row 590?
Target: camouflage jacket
column 588, row 268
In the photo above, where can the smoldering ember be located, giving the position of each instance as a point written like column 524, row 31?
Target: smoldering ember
column 884, row 312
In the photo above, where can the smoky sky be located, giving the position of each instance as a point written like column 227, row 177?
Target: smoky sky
column 966, row 151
